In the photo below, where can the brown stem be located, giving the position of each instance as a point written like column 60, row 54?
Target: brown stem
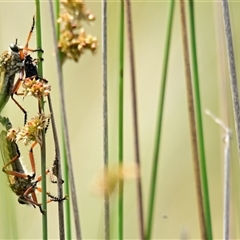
column 192, row 122
column 135, row 122
column 59, row 172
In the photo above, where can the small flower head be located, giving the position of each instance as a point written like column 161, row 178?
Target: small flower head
column 12, row 134
column 36, row 87
column 77, row 9
column 108, row 181
column 73, row 39
column 32, row 130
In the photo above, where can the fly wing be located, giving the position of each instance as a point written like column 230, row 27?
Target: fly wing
column 5, row 152
column 5, row 79
column 9, row 150
column 5, row 148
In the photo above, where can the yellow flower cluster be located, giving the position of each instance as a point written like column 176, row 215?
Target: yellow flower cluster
column 35, row 87
column 73, row 39
column 107, row 182
column 31, row 131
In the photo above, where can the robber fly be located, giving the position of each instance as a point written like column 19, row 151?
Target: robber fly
column 12, row 62
column 21, row 183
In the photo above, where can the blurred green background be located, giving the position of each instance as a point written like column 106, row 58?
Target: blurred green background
column 176, row 208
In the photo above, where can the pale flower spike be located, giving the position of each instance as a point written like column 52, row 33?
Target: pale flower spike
column 107, row 182
column 31, row 131
column 37, row 88
column 73, row 38
column 12, row 134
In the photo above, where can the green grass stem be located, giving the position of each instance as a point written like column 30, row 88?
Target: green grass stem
column 159, row 122
column 206, row 201
column 192, row 123
column 65, row 164
column 43, row 147
column 120, row 120
column 39, row 36
column 57, row 13
column 65, row 127
column 67, row 191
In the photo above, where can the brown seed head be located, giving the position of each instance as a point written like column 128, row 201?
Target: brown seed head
column 36, row 87
column 32, row 130
column 73, row 39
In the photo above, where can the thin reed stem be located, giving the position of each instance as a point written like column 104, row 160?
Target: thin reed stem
column 105, row 117
column 226, row 194
column 232, row 70
column 226, row 197
column 67, row 190
column 57, row 160
column 57, row 11
column 65, row 127
column 193, row 131
column 65, row 164
column 43, row 145
column 135, row 118
column 200, row 140
column 159, row 123
column 120, row 123
column 59, row 172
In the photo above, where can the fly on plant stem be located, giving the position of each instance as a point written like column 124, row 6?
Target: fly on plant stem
column 21, row 183
column 32, row 76
column 32, row 132
column 12, row 62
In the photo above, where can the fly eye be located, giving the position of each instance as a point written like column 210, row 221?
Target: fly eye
column 14, row 47
column 22, row 200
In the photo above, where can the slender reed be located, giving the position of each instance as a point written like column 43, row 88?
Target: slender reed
column 120, row 123
column 43, row 145
column 226, row 194
column 232, row 70
column 105, row 116
column 226, row 184
column 64, row 156
column 59, row 172
column 67, row 190
column 159, row 123
column 200, row 140
column 135, row 120
column 191, row 112
column 65, row 128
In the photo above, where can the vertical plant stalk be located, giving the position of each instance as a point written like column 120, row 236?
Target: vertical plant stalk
column 120, row 123
column 159, row 123
column 200, row 138
column 232, row 70
column 67, row 190
column 43, row 145
column 105, row 117
column 226, row 194
column 59, row 172
column 65, row 164
column 191, row 112
column 226, row 185
column 224, row 101
column 135, row 120
column 39, row 37
column 65, row 128
column 58, row 159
